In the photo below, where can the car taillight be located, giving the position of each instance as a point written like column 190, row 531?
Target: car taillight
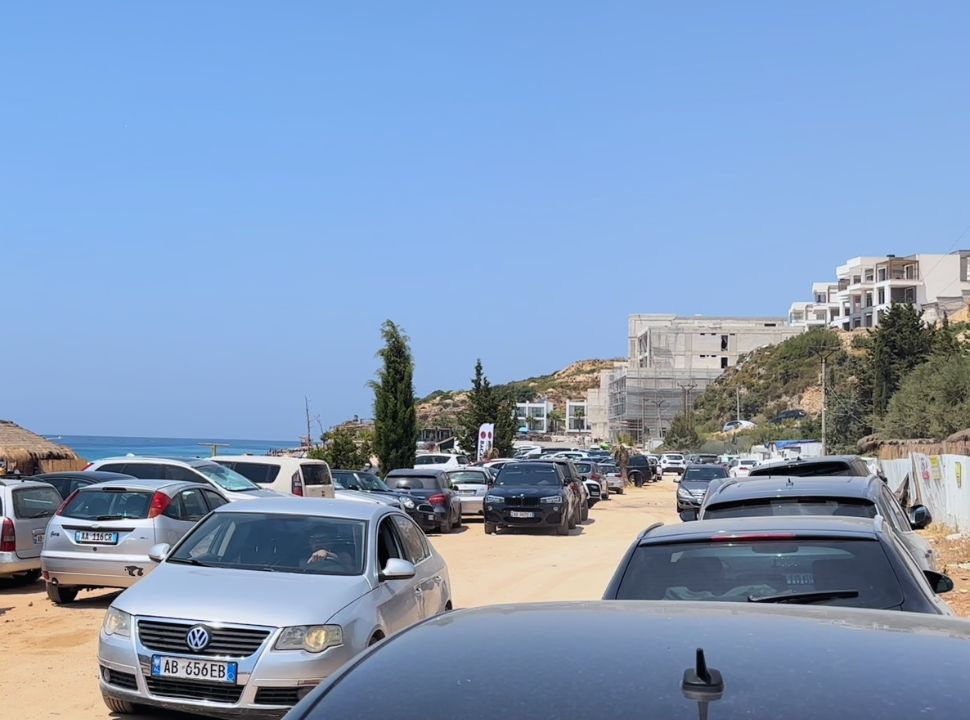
column 60, row 510
column 438, row 499
column 8, row 537
column 729, row 537
column 160, row 503
column 87, row 467
column 296, row 485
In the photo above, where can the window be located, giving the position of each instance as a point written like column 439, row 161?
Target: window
column 724, row 362
column 388, row 545
column 181, row 474
column 869, row 275
column 892, row 512
column 193, row 505
column 260, row 473
column 214, row 499
column 881, row 295
column 882, row 274
column 770, row 325
column 773, row 507
column 724, row 342
column 146, row 471
column 314, row 474
column 415, row 544
column 35, row 502
column 469, row 477
column 856, row 279
column 413, row 482
column 109, row 504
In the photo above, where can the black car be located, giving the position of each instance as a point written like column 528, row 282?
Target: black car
column 693, row 485
column 844, row 496
column 849, row 562
column 824, row 466
column 642, row 469
column 437, row 504
column 657, row 660
column 532, row 494
column 788, row 416
column 67, row 482
column 576, row 484
column 368, row 482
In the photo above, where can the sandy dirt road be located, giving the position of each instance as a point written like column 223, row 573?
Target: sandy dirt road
column 48, row 655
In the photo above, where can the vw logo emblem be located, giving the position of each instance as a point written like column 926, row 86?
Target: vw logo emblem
column 197, row 638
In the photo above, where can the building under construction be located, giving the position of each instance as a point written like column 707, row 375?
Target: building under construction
column 671, row 360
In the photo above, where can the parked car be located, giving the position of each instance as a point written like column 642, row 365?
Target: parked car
column 825, row 466
column 226, row 482
column 67, row 482
column 102, row 534
column 694, row 483
column 592, row 475
column 264, row 600
column 438, row 503
column 703, row 459
column 672, row 462
column 576, row 484
column 26, row 507
column 533, row 494
column 285, row 475
column 726, row 662
column 850, row 562
column 594, row 490
column 642, row 469
column 614, row 478
column 471, row 483
column 440, row 461
column 843, row 496
column 735, row 425
column 742, row 467
column 788, row 416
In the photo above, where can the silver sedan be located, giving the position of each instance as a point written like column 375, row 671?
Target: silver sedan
column 471, row 484
column 262, row 601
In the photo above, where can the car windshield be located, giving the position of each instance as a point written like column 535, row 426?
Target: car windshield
column 762, row 507
column 674, row 457
column 704, row 474
column 225, row 478
column 745, row 570
column 584, row 467
column 275, row 543
column 109, row 504
column 372, row 483
column 469, row 478
column 836, row 468
column 528, row 474
column 431, row 459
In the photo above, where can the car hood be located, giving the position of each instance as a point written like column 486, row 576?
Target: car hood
column 373, row 498
column 524, row 491
column 247, row 597
column 252, row 494
column 695, row 485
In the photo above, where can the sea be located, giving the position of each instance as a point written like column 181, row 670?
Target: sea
column 96, row 447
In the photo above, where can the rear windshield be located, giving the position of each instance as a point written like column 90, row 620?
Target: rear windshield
column 762, row 507
column 469, row 478
column 837, row 468
column 607, row 469
column 584, row 467
column 741, row 570
column 314, row 474
column 35, row 502
column 412, row 482
column 109, row 504
column 528, row 474
column 704, row 474
column 261, row 473
column 674, row 457
column 431, row 459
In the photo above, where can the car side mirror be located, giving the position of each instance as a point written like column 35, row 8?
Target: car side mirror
column 688, row 515
column 938, row 581
column 677, row 479
column 157, row 553
column 398, row 569
column 920, row 517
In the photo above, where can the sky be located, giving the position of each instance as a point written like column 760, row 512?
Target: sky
column 208, row 209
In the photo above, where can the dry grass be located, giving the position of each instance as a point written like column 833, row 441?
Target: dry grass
column 951, row 555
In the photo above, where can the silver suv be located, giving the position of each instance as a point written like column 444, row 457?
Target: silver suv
column 25, row 509
column 102, row 535
column 226, row 481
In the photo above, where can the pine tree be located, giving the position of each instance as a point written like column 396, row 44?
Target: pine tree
column 945, row 341
column 681, row 435
column 900, row 342
column 483, row 407
column 506, row 425
column 395, row 419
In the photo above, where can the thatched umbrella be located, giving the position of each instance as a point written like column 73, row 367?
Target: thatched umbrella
column 28, row 453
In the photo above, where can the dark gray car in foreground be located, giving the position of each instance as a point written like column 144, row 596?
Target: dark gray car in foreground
column 795, row 663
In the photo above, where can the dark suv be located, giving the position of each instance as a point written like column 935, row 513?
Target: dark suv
column 642, row 469
column 694, row 484
column 438, row 505
column 532, row 494
column 824, row 466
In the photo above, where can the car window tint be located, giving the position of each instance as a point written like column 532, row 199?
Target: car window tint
column 181, row 474
column 214, row 499
column 415, row 545
column 260, row 473
column 894, row 513
column 735, row 571
column 765, row 507
column 113, row 467
column 314, row 474
column 388, row 544
column 64, row 486
column 835, row 468
column 35, row 502
column 469, row 477
column 114, row 504
column 411, row 482
column 704, row 474
column 193, row 505
column 145, row 471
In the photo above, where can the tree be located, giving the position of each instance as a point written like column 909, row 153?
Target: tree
column 681, row 435
column 395, row 419
column 343, row 448
column 933, row 401
column 945, row 340
column 506, row 425
column 555, row 420
column 900, row 343
column 479, row 408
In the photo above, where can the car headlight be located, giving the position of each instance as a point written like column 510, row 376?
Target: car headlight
column 312, row 638
column 117, row 622
column 551, row 499
column 407, row 502
column 494, row 499
column 682, row 493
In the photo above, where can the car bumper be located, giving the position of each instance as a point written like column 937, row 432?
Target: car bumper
column 472, row 505
column 673, row 469
column 693, row 504
column 291, row 672
column 540, row 517
column 119, row 571
column 615, row 483
column 12, row 564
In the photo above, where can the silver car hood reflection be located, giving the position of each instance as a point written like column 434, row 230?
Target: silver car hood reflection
column 248, row 597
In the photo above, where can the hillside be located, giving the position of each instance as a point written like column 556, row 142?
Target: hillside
column 442, row 407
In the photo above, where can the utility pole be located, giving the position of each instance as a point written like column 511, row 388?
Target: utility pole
column 687, row 389
column 660, row 402
column 823, row 353
column 737, row 391
column 309, row 435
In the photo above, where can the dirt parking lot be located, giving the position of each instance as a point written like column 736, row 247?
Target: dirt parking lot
column 49, row 654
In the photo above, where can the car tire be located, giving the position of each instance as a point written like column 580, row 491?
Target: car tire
column 573, row 521
column 28, row 578
column 584, row 512
column 489, row 528
column 61, row 595
column 619, row 491
column 445, row 527
column 458, row 522
column 122, row 707
column 563, row 527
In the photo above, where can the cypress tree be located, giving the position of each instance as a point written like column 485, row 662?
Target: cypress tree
column 395, row 419
column 900, row 342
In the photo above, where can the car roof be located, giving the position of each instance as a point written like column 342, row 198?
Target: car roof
column 145, row 484
column 641, row 650
column 264, row 459
column 415, row 472
column 93, row 475
column 806, row 525
column 191, row 462
column 22, row 482
column 320, row 507
column 809, row 460
column 766, row 486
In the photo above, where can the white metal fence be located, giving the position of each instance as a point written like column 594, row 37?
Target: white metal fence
column 940, row 482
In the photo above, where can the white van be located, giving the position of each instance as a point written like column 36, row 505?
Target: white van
column 440, row 461
column 294, row 476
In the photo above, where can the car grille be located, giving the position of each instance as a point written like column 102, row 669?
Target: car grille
column 277, row 696
column 119, row 679
column 170, row 637
column 522, row 502
column 214, row 692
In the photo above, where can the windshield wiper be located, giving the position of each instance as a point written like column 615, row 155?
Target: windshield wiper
column 188, row 561
column 805, row 597
column 111, row 517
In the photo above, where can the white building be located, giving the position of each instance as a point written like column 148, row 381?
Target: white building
column 577, row 417
column 866, row 287
column 534, row 415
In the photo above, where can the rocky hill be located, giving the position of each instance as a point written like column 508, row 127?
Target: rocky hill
column 442, row 407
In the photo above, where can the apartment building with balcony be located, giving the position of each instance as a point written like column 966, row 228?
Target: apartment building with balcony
column 866, row 287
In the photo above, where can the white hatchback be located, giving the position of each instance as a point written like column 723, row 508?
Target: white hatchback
column 292, row 476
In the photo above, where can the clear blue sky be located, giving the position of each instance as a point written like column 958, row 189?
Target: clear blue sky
column 207, row 209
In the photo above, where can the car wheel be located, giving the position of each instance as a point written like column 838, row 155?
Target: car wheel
column 573, row 520
column 584, row 512
column 445, row 526
column 563, row 527
column 61, row 595
column 458, row 520
column 122, row 707
column 619, row 491
column 28, row 578
column 489, row 529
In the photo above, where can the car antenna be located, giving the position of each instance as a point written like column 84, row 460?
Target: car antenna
column 702, row 684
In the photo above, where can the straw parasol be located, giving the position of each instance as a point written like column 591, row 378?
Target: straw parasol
column 28, row 452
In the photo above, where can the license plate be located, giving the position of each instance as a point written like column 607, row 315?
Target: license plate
column 189, row 669
column 96, row 538
column 430, row 517
column 517, row 514
column 467, row 492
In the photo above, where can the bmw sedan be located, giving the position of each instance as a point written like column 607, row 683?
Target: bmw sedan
column 264, row 600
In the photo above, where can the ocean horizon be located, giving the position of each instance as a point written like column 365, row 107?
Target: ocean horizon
column 97, row 447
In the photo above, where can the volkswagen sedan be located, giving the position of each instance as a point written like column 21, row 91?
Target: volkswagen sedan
column 262, row 601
